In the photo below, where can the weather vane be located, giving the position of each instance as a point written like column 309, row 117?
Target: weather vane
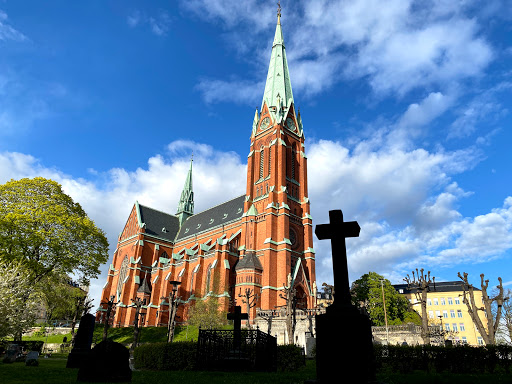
column 279, row 9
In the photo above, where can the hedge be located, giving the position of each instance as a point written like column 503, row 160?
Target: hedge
column 178, row 356
column 456, row 359
column 181, row 356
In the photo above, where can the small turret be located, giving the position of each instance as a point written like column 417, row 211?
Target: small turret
column 186, row 204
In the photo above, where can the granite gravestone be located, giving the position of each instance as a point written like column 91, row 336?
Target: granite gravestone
column 32, row 359
column 107, row 362
column 83, row 341
column 344, row 335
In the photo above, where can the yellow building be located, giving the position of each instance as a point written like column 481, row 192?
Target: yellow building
column 446, row 308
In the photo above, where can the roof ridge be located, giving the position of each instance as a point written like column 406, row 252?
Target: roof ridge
column 215, row 206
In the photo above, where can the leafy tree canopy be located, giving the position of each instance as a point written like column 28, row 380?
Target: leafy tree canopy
column 367, row 292
column 47, row 231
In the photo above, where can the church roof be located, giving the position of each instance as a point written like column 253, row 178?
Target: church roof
column 250, row 261
column 212, row 217
column 159, row 224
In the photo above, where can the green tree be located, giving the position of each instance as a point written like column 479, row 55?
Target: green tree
column 18, row 300
column 206, row 314
column 60, row 297
column 47, row 231
column 367, row 292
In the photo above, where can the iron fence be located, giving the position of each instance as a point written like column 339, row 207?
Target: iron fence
column 225, row 350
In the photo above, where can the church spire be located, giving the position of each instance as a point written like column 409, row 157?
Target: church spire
column 278, row 88
column 186, row 204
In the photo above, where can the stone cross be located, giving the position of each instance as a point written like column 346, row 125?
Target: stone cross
column 337, row 230
column 237, row 318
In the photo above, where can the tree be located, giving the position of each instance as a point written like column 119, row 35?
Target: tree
column 18, row 300
column 420, row 283
column 45, row 229
column 366, row 292
column 505, row 327
column 468, row 297
column 206, row 314
column 60, row 297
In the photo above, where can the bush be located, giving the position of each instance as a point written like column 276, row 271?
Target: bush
column 290, row 357
column 456, row 359
column 179, row 356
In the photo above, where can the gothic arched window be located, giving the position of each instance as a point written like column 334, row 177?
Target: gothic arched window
column 294, row 154
column 262, row 161
column 269, row 159
column 208, row 279
column 122, row 275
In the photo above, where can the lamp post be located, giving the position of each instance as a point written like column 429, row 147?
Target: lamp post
column 173, row 308
column 442, row 329
column 385, row 313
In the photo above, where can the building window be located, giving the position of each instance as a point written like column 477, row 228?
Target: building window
column 438, row 313
column 452, row 313
column 457, row 301
column 447, row 327
column 443, row 302
column 462, row 327
column 293, row 162
column 454, row 327
column 122, row 275
column 269, row 159
column 431, row 314
column 429, row 301
column 208, row 279
column 445, row 314
column 450, row 301
column 459, row 313
column 464, row 340
column 262, row 161
column 436, row 302
column 480, row 340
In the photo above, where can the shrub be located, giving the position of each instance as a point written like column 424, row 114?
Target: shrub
column 290, row 357
column 179, row 356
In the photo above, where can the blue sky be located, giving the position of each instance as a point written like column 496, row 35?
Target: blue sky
column 406, row 112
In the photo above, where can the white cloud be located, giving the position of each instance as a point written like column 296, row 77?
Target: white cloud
column 158, row 24
column 7, row 32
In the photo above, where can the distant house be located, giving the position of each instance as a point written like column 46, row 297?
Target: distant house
column 446, row 309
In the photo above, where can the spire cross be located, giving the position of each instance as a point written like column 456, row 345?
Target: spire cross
column 337, row 230
column 279, row 11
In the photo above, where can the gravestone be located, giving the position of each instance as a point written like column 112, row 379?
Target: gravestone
column 12, row 353
column 83, row 341
column 344, row 335
column 32, row 359
column 107, row 362
column 237, row 318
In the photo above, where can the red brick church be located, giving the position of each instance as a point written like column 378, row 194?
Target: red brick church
column 261, row 240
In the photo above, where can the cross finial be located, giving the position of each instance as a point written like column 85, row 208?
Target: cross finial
column 279, row 12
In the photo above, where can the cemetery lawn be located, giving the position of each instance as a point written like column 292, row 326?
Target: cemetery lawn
column 54, row 371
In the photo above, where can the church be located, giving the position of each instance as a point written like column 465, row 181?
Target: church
column 262, row 240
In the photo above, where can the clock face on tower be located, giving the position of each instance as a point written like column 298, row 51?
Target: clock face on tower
column 290, row 124
column 265, row 123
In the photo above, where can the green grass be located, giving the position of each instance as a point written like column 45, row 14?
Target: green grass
column 125, row 335
column 54, row 371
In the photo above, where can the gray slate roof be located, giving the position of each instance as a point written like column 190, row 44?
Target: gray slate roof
column 212, row 217
column 250, row 261
column 441, row 286
column 156, row 221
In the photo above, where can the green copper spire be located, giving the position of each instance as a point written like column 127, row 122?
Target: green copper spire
column 278, row 88
column 186, row 204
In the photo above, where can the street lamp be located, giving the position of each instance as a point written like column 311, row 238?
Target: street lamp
column 442, row 329
column 385, row 313
column 173, row 308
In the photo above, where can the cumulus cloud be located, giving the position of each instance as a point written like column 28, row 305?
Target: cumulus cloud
column 396, row 48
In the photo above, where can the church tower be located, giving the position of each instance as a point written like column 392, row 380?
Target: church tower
column 186, row 204
column 277, row 226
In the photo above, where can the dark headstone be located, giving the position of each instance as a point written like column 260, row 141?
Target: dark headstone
column 32, row 359
column 344, row 335
column 12, row 353
column 82, row 343
column 107, row 362
column 237, row 318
